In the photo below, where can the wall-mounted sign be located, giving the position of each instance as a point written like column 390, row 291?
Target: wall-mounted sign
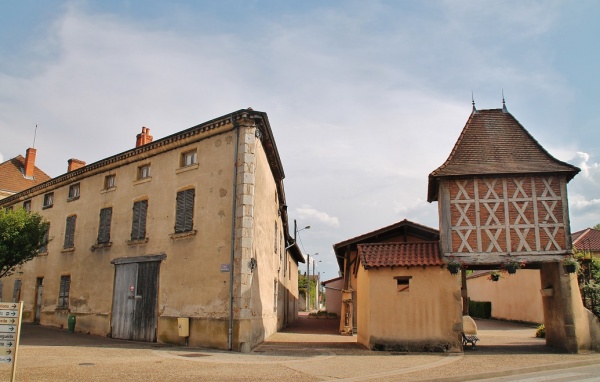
column 225, row 268
column 10, row 329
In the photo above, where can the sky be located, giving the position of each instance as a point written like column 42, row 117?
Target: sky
column 365, row 98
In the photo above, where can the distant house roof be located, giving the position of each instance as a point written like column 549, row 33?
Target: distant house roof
column 493, row 142
column 12, row 177
column 402, row 228
column 587, row 240
column 400, row 255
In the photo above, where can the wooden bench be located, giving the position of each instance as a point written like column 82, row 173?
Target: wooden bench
column 469, row 339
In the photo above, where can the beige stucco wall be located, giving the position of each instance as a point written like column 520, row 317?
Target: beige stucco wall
column 427, row 317
column 191, row 283
column 514, row 297
column 333, row 296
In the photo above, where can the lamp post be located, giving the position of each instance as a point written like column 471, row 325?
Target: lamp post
column 316, row 286
column 308, row 279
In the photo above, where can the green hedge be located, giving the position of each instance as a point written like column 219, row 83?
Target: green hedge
column 480, row 309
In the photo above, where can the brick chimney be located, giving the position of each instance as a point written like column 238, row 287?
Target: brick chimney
column 74, row 164
column 29, row 163
column 143, row 138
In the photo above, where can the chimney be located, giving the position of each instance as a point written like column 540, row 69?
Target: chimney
column 29, row 163
column 74, row 164
column 143, row 138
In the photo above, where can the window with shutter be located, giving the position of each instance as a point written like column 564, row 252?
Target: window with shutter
column 44, row 247
column 104, row 229
column 184, row 216
column 70, row 232
column 63, row 293
column 138, row 226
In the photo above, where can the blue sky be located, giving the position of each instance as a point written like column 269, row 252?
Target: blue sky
column 365, row 98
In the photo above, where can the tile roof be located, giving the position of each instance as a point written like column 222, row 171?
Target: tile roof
column 587, row 240
column 493, row 142
column 400, row 254
column 405, row 226
column 12, row 179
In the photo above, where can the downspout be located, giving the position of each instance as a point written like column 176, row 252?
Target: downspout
column 233, row 211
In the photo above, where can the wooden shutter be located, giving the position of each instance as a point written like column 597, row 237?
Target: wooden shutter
column 184, row 217
column 63, row 294
column 138, row 228
column 70, row 232
column 104, row 230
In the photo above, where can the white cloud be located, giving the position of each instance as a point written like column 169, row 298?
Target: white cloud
column 589, row 171
column 309, row 214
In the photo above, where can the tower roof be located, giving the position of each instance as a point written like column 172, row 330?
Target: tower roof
column 493, row 142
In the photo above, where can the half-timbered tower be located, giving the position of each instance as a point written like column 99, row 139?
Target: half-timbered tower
column 501, row 196
column 502, row 201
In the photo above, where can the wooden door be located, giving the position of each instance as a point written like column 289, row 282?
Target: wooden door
column 135, row 301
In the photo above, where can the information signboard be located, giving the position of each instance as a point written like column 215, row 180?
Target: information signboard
column 10, row 328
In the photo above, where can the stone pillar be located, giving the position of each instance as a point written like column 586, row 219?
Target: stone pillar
column 244, row 231
column 565, row 318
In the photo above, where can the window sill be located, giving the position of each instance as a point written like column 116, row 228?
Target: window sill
column 48, row 206
column 68, row 250
column 108, row 190
column 42, row 254
column 100, row 246
column 183, row 235
column 73, row 198
column 187, row 168
column 141, row 181
column 137, row 241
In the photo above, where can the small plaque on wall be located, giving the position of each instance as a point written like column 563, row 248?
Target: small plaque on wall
column 225, row 268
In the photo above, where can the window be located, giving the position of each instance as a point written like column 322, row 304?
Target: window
column 188, row 158
column 70, row 232
column 17, row 291
column 144, row 172
column 402, row 283
column 275, row 290
column 104, row 229
column 138, row 226
column 27, row 205
column 1, row 286
column 44, row 247
column 63, row 293
column 276, row 236
column 74, row 191
column 109, row 181
column 48, row 200
column 184, row 217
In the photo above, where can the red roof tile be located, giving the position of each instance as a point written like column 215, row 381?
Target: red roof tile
column 12, row 179
column 493, row 142
column 400, row 254
column 587, row 240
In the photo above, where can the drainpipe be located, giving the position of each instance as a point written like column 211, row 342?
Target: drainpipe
column 232, row 255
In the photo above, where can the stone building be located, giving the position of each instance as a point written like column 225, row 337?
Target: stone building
column 191, row 226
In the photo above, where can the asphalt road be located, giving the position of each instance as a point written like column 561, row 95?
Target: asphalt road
column 309, row 350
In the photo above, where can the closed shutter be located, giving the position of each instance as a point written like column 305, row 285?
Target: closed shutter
column 104, row 230
column 138, row 227
column 70, row 232
column 184, row 217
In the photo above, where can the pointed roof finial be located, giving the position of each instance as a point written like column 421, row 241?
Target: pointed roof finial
column 504, row 109
column 473, row 102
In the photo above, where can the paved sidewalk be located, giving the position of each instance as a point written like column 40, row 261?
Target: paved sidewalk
column 309, row 350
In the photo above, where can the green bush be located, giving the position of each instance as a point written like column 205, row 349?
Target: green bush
column 540, row 332
column 480, row 309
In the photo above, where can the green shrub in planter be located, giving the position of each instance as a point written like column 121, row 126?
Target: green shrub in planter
column 540, row 332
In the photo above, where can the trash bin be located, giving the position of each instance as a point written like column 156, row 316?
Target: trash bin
column 71, row 321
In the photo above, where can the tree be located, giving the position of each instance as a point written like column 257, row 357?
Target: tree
column 597, row 226
column 22, row 234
